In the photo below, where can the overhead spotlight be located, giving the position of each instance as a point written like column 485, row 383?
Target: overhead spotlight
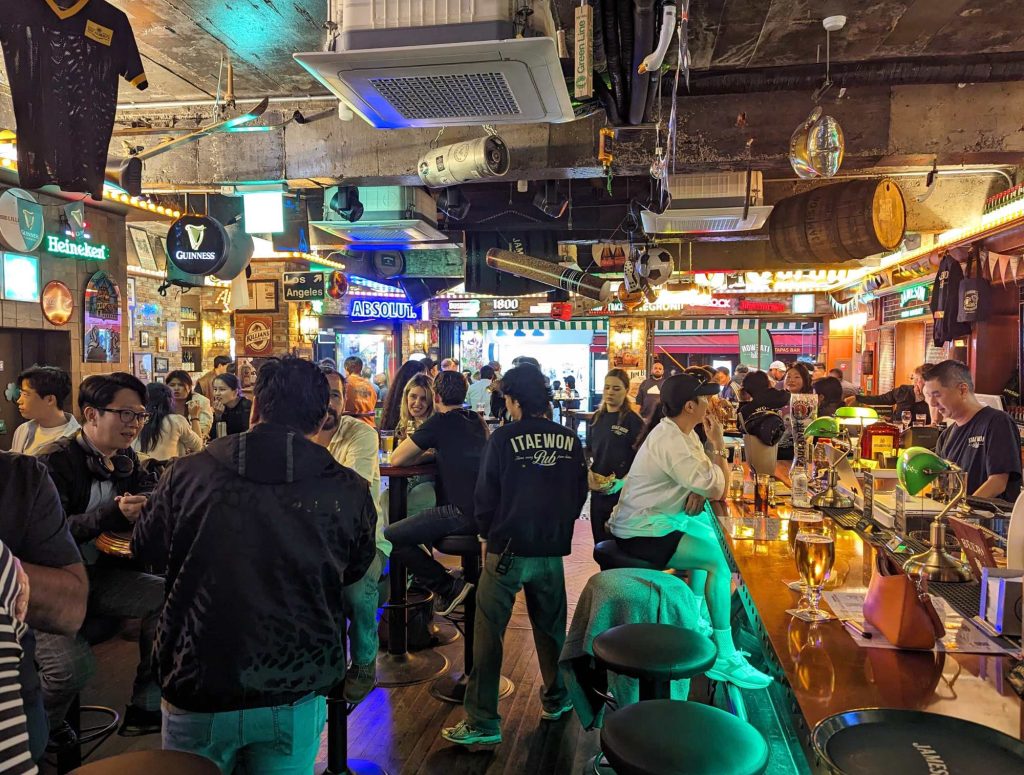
column 453, row 204
column 125, row 173
column 345, row 203
column 551, row 200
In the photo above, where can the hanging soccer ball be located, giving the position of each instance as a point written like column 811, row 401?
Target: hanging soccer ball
column 656, row 266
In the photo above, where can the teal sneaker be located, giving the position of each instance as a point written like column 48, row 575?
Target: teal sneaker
column 555, row 715
column 736, row 670
column 465, row 733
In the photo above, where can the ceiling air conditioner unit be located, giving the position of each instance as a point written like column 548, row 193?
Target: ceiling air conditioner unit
column 711, row 203
column 392, row 216
column 473, row 71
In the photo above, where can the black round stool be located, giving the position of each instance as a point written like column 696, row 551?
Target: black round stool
column 151, row 763
column 669, row 737
column 656, row 654
column 452, row 687
column 338, row 762
column 608, row 555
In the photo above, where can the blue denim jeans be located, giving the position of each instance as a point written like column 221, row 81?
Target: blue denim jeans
column 361, row 601
column 428, row 526
column 278, row 740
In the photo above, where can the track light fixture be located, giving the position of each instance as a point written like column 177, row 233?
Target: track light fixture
column 345, row 203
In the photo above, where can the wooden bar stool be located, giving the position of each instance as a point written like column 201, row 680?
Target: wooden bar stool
column 151, row 763
column 452, row 687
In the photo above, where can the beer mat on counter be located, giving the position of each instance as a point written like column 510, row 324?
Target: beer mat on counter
column 754, row 528
column 913, row 742
column 961, row 636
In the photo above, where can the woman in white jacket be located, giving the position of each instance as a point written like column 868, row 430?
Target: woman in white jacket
column 165, row 432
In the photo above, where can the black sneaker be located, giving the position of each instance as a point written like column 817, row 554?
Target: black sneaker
column 445, row 603
column 138, row 721
column 62, row 736
column 359, row 681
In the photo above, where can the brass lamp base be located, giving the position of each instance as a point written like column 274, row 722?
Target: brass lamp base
column 935, row 564
column 831, row 498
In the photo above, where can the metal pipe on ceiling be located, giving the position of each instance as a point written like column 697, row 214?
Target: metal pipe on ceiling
column 172, row 104
column 906, row 71
column 942, row 172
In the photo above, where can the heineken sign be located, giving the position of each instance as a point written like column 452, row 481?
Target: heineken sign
column 64, row 246
column 197, row 244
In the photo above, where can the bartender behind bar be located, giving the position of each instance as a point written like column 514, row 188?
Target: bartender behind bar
column 983, row 441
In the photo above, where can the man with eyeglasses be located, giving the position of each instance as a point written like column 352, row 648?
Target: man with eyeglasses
column 102, row 488
column 906, row 398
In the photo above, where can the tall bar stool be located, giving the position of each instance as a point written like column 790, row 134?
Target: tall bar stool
column 151, row 763
column 338, row 762
column 452, row 687
column 660, row 736
column 655, row 654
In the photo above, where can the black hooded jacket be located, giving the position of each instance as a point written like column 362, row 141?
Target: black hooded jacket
column 258, row 533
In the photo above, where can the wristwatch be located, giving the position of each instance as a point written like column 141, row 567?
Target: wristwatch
column 721, row 453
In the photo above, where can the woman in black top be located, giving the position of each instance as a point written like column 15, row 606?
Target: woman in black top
column 229, row 405
column 613, row 433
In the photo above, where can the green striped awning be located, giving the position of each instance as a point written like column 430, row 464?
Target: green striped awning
column 729, row 324
column 596, row 324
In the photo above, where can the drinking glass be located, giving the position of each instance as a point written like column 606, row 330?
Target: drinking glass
column 387, row 445
column 808, row 521
column 762, row 492
column 908, row 418
column 815, row 553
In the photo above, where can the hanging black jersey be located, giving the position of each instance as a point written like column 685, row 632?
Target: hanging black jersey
column 63, row 65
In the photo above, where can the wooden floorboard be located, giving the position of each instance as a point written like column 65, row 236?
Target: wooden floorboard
column 399, row 729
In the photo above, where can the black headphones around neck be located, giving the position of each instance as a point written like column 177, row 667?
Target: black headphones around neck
column 119, row 467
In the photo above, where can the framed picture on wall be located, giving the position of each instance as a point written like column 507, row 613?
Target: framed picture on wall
column 143, row 248
column 262, row 296
column 143, row 339
column 131, row 292
column 161, row 365
column 173, row 336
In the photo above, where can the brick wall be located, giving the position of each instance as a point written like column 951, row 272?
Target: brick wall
column 106, row 226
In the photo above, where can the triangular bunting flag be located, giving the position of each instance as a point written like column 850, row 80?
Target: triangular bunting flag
column 1014, row 264
column 993, row 262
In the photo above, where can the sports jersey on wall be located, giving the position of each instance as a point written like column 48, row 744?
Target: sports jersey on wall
column 63, row 65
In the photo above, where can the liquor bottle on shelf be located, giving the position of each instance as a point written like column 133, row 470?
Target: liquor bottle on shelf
column 879, row 438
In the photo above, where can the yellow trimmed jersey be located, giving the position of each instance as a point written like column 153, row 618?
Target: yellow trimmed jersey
column 63, row 61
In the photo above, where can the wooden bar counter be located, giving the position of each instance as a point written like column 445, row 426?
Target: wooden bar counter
column 819, row 668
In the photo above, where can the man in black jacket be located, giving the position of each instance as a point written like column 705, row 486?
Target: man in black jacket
column 905, row 398
column 259, row 533
column 101, row 485
column 531, row 488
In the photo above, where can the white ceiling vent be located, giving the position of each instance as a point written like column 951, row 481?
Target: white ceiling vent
column 457, row 84
column 710, row 204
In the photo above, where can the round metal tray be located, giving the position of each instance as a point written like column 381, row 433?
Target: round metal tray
column 913, row 742
column 115, row 544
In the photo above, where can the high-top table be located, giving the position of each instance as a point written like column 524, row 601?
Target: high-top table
column 819, row 668
column 398, row 666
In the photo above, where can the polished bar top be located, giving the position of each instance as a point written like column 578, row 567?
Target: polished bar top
column 826, row 669
column 420, row 469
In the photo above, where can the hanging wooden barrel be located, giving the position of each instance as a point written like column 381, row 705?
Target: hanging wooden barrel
column 841, row 222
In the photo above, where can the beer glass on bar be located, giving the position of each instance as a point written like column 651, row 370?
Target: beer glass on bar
column 762, row 492
column 387, row 445
column 815, row 552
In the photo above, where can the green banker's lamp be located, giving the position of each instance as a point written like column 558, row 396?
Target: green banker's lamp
column 916, row 468
column 830, row 497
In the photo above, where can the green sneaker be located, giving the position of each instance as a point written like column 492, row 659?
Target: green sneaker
column 736, row 670
column 555, row 715
column 465, row 733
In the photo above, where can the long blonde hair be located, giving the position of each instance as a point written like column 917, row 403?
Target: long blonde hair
column 627, row 402
column 404, row 418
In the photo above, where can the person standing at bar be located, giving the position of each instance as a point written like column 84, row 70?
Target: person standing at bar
column 354, row 445
column 849, row 389
column 531, row 489
column 360, row 394
column 612, row 441
column 777, row 371
column 204, row 385
column 664, row 500
column 906, row 398
column 42, row 391
column 189, row 404
column 983, row 441
column 649, row 394
column 259, row 534
column 477, row 395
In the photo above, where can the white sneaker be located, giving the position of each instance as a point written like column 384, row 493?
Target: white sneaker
column 736, row 670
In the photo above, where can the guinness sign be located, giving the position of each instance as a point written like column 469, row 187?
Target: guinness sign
column 197, row 244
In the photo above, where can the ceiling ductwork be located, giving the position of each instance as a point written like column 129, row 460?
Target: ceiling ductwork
column 909, row 71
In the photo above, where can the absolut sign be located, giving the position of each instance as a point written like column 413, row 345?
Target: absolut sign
column 197, row 244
